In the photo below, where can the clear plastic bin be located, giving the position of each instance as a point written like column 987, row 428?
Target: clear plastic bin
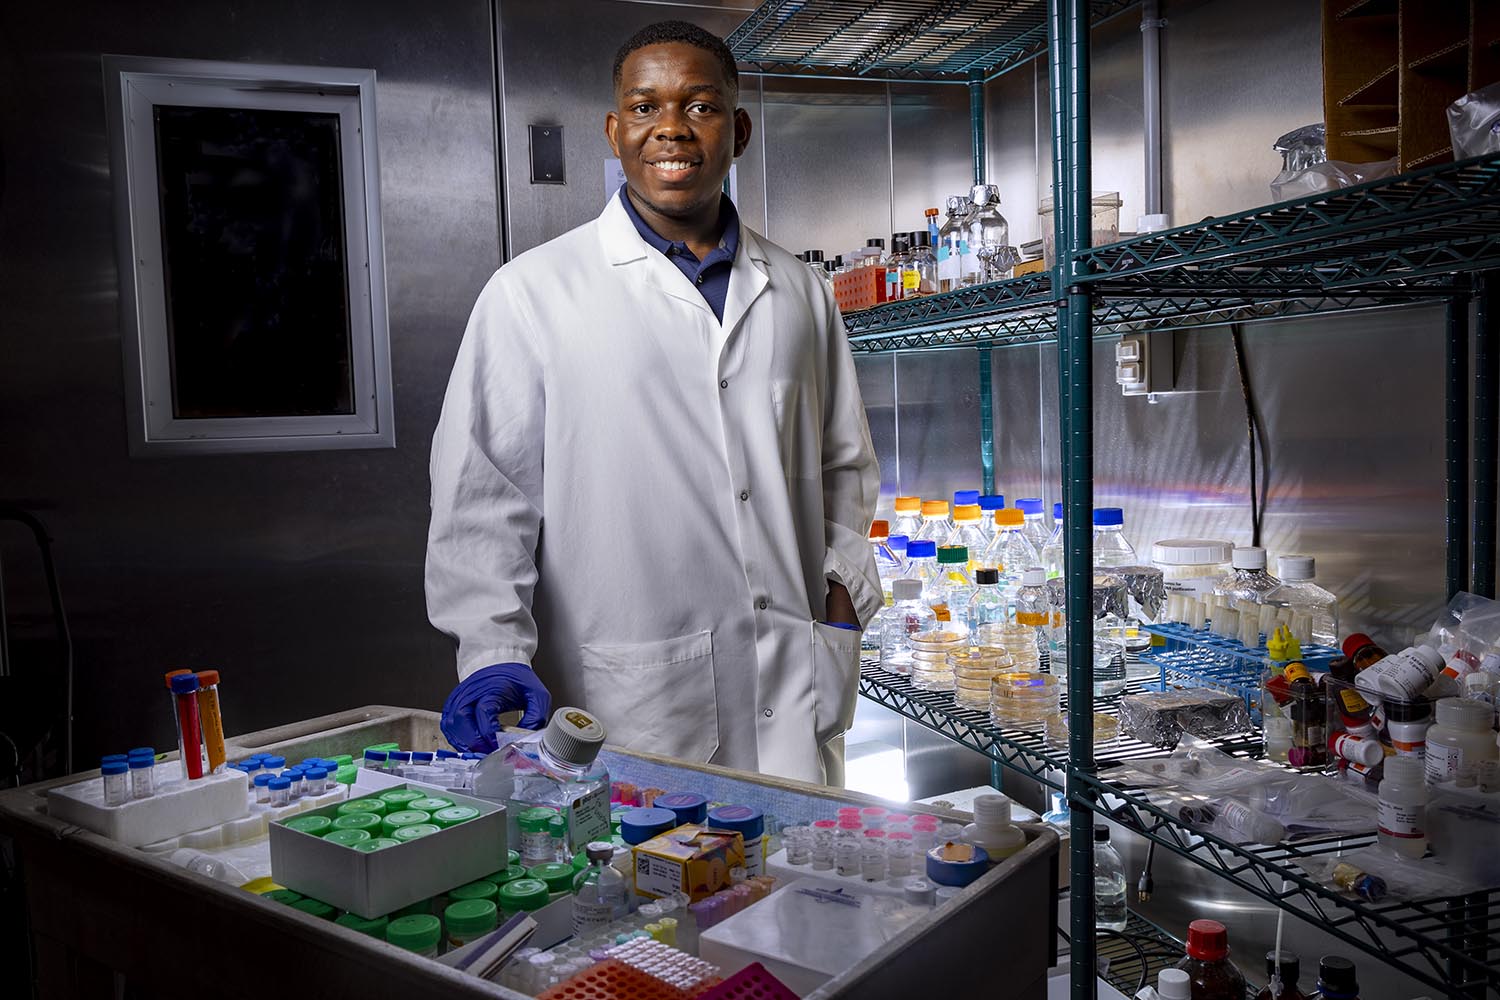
column 1106, row 227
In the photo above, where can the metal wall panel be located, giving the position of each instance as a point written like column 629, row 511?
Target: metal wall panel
column 299, row 575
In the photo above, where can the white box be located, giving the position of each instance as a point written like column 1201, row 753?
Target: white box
column 179, row 806
column 376, row 883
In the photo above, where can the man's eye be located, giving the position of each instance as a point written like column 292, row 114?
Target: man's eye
column 642, row 109
column 703, row 109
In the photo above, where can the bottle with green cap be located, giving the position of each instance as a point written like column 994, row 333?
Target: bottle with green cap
column 557, row 768
column 374, row 927
column 535, row 827
column 418, row 932
column 404, row 817
column 369, row 805
column 316, row 908
column 558, row 876
column 467, row 919
column 524, row 894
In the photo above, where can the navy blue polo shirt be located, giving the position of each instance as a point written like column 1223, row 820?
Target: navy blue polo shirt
column 710, row 275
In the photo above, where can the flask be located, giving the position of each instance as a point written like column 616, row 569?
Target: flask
column 1300, row 594
column 908, row 615
column 556, row 768
column 1248, row 583
column 599, row 892
column 1109, row 883
column 1207, row 963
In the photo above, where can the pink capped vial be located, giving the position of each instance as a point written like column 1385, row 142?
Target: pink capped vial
column 848, row 811
column 899, row 835
column 874, row 816
column 875, row 834
column 851, row 823
column 824, row 824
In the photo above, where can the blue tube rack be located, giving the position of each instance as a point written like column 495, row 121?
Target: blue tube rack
column 1189, row 657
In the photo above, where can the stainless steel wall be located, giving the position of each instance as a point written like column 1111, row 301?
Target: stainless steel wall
column 299, row 575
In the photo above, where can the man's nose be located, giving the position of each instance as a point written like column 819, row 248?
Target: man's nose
column 672, row 126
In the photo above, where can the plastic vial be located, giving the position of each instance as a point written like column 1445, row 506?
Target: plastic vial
column 142, row 777
column 116, row 784
column 992, row 828
column 799, row 845
column 212, row 719
column 846, row 857
column 1109, row 883
column 1402, row 813
column 273, row 764
column 375, row 760
column 872, row 862
column 281, row 790
column 899, row 854
column 262, row 783
column 909, row 616
column 1299, row 593
column 1051, row 554
column 1248, row 583
column 1462, row 739
column 296, row 777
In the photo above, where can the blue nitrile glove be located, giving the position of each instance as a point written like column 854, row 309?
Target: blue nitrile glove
column 844, row 625
column 471, row 713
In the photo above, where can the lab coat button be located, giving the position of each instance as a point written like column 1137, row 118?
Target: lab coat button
column 700, row 279
column 764, row 604
column 744, row 495
column 723, row 383
column 769, row 713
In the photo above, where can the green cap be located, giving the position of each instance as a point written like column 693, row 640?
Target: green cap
column 342, row 759
column 471, row 917
column 537, row 819
column 347, row 774
column 524, row 894
column 557, row 874
column 401, row 798
column 367, row 821
column 558, row 827
column 430, row 805
column 284, row 896
column 512, row 857
column 315, row 825
column 421, row 906
column 505, row 875
column 376, row 844
column 381, row 747
column 372, row 805
column 416, row 832
column 454, row 815
column 418, row 932
column 374, row 927
column 406, row 817
column 580, row 861
column 315, row 907
column 349, row 838
column 953, row 554
column 483, row 889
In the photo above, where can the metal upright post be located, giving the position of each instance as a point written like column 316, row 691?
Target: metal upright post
column 976, row 121
column 1456, row 436
column 986, row 422
column 1486, row 424
column 1078, row 473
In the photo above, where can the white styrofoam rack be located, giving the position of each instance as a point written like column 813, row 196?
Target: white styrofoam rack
column 179, row 806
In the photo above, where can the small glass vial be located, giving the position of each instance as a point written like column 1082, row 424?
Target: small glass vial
column 116, row 784
column 315, row 781
column 262, row 783
column 142, row 777
column 375, row 760
column 847, row 857
column 821, row 853
column 898, row 853
column 872, row 862
column 924, row 262
column 798, row 845
column 281, row 790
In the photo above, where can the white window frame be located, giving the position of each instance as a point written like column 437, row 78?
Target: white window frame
column 133, row 87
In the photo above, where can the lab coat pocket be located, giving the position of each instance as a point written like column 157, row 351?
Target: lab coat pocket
column 797, row 433
column 656, row 696
column 835, row 661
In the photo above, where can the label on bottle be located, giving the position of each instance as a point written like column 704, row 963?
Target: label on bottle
column 1353, row 703
column 942, row 254
column 911, row 280
column 591, row 916
column 1402, row 822
column 1296, row 671
column 1034, row 618
column 1443, row 762
column 590, row 817
column 1409, row 748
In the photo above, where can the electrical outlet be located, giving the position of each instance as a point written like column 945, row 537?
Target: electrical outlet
column 1143, row 363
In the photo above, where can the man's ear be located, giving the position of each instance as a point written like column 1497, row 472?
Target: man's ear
column 742, row 130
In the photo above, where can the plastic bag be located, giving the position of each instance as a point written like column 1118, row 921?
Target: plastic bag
column 1395, row 876
column 1330, row 175
column 1474, row 123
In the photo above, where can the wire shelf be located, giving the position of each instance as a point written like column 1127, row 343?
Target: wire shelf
column 1133, row 957
column 1192, row 657
column 916, row 40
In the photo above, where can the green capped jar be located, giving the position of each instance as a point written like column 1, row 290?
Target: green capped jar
column 374, row 927
column 376, row 806
column 509, row 874
column 524, row 894
column 415, row 832
column 285, row 897
column 315, row 825
column 454, row 815
column 468, row 919
column 558, row 876
column 429, row 804
column 482, row 889
column 405, row 817
column 348, row 838
column 366, row 821
column 418, row 932
column 316, row 908
column 401, row 798
column 376, row 844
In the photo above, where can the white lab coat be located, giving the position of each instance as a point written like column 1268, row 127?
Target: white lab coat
column 646, row 505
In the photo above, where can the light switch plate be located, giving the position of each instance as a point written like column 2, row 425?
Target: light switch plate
column 547, row 163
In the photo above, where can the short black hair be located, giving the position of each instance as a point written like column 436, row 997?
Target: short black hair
column 663, row 32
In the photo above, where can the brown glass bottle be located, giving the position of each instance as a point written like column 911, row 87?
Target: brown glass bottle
column 1362, row 651
column 1207, row 963
column 1291, row 969
column 1336, row 978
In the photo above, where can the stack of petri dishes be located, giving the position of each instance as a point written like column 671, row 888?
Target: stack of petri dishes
column 1023, row 698
column 973, row 669
column 929, row 668
column 1017, row 640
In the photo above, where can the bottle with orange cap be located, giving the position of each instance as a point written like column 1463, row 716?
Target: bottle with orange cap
column 936, row 527
column 908, row 517
column 1010, row 552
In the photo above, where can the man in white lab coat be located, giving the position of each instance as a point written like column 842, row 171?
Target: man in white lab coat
column 652, row 480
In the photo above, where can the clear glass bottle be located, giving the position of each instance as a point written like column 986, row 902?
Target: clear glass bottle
column 936, row 526
column 557, row 768
column 987, row 606
column 1299, row 593
column 952, row 244
column 1036, row 529
column 1033, row 608
column 1111, row 550
column 908, row 616
column 968, row 531
column 922, row 564
column 989, row 235
column 1111, row 547
column 1248, row 583
column 908, row 517
column 958, row 586
column 1052, row 552
column 924, row 262
column 888, row 565
column 600, row 896
column 896, row 267
column 1110, row 912
column 877, row 258
column 815, row 263
column 988, row 505
column 1010, row 552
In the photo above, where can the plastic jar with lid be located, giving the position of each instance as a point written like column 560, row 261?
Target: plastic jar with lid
column 402, row 818
column 1401, row 817
column 469, row 919
column 1461, row 740
column 524, row 894
column 1405, row 676
column 417, row 932
column 372, row 926
column 1192, row 565
column 1207, row 963
column 992, row 828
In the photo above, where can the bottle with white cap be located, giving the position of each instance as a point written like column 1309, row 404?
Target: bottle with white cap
column 1248, row 583
column 1461, row 740
column 1404, row 676
column 1172, row 984
column 992, row 828
column 559, row 768
column 1300, row 595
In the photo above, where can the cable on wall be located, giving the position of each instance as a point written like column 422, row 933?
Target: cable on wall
column 1258, row 471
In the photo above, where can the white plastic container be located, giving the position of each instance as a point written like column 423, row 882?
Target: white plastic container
column 1402, row 813
column 1249, row 583
column 1299, row 594
column 1461, row 740
column 1191, row 565
column 992, row 828
column 1405, row 675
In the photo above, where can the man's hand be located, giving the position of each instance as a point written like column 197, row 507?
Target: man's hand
column 840, row 608
column 471, row 713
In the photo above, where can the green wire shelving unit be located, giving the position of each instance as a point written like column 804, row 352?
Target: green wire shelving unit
column 1426, row 236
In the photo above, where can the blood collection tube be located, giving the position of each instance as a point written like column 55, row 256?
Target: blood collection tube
column 212, row 718
column 190, row 738
column 175, row 720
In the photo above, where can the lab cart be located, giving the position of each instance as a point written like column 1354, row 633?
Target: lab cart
column 106, row 918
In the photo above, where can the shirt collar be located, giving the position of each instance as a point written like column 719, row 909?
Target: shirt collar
column 729, row 227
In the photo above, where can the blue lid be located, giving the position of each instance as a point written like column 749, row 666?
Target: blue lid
column 1108, row 517
column 111, row 758
column 1030, row 505
column 136, row 763
column 921, row 548
column 295, row 773
column 376, row 755
column 965, row 497
column 278, row 783
column 689, row 807
column 264, row 778
column 260, row 756
column 317, row 773
column 956, row 873
column 994, row 501
column 747, row 821
column 1057, row 511
column 113, row 767
column 184, row 684
column 446, row 754
column 143, row 752
column 473, row 756
column 274, row 761
column 250, row 766
column 640, row 825
column 421, row 756
column 898, row 543
column 399, row 755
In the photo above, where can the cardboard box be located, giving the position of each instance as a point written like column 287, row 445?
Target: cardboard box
column 694, row 859
column 380, row 882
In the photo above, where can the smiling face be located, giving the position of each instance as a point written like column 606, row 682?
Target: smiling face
column 676, row 130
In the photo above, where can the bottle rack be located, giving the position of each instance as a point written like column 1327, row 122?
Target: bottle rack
column 1190, row 657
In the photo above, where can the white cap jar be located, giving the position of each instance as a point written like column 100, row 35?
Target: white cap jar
column 1191, row 565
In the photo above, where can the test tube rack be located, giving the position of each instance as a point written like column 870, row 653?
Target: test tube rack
column 1197, row 657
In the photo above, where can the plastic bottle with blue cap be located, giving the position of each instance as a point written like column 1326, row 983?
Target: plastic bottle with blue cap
column 262, row 785
column 116, row 782
column 142, row 777
column 749, row 823
column 281, row 790
column 1036, row 529
column 1052, row 551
